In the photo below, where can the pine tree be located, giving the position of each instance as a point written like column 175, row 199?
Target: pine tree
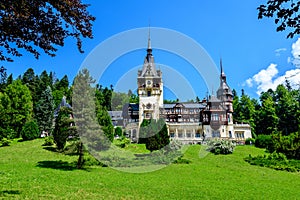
column 87, row 113
column 44, row 111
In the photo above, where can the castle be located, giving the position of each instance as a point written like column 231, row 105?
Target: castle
column 187, row 122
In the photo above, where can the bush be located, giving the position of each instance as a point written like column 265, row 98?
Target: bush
column 221, row 146
column 118, row 131
column 30, row 131
column 263, row 141
column 122, row 142
column 4, row 142
column 276, row 161
column 49, row 141
column 181, row 160
column 7, row 133
column 288, row 145
column 250, row 141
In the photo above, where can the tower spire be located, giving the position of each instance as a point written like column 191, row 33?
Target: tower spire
column 149, row 49
column 221, row 66
column 149, row 40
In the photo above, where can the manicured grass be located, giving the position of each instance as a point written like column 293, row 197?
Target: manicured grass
column 28, row 171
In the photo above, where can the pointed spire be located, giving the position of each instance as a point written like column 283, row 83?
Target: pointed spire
column 221, row 65
column 149, row 41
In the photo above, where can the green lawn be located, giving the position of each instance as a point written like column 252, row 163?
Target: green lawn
column 27, row 171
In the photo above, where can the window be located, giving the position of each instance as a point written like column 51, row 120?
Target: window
column 230, row 134
column 148, row 115
column 149, row 93
column 216, row 134
column 188, row 135
column 197, row 135
column 172, row 135
column 215, row 117
column 180, row 135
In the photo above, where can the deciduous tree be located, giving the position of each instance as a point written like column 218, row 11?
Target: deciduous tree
column 41, row 25
column 286, row 14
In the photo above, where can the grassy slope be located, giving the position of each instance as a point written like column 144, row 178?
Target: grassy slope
column 29, row 171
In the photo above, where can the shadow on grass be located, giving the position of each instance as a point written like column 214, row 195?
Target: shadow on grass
column 9, row 192
column 57, row 164
column 49, row 148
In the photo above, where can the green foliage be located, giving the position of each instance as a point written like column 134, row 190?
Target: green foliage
column 7, row 133
column 16, row 107
column 118, row 131
column 276, row 161
column 4, row 142
column 288, row 145
column 122, row 142
column 249, row 141
column 93, row 122
column 267, row 119
column 154, row 134
column 104, row 121
column 134, row 98
column 119, row 100
column 30, row 131
column 64, row 127
column 287, row 109
column 44, row 110
column 221, row 146
column 49, row 141
column 181, row 160
column 263, row 141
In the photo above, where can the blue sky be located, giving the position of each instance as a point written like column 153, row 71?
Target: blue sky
column 254, row 55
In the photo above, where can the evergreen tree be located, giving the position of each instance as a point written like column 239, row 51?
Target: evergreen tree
column 236, row 107
column 88, row 114
column 44, row 111
column 3, row 78
column 32, row 81
column 64, row 127
column 154, row 134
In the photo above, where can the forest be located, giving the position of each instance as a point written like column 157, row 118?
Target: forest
column 28, row 105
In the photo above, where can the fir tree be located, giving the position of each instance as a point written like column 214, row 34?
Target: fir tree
column 44, row 111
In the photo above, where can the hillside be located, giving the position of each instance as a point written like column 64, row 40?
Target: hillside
column 28, row 171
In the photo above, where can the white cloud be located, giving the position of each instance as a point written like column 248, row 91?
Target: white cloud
column 249, row 82
column 266, row 78
column 278, row 51
column 296, row 49
column 296, row 53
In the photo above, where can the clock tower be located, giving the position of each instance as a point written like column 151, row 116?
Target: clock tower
column 150, row 88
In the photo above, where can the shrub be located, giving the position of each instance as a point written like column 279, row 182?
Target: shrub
column 4, row 142
column 263, row 141
column 250, row 141
column 118, row 131
column 30, row 131
column 122, row 142
column 181, row 160
column 7, row 133
column 221, row 146
column 276, row 161
column 288, row 145
column 49, row 141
